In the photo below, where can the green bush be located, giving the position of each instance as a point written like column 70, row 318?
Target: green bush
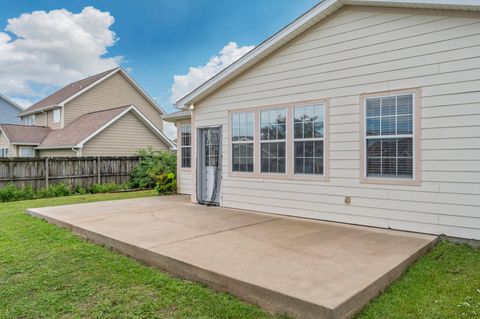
column 166, row 184
column 11, row 193
column 152, row 165
column 108, row 188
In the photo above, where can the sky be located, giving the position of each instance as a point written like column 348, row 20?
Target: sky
column 168, row 46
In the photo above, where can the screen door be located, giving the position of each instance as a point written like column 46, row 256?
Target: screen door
column 209, row 168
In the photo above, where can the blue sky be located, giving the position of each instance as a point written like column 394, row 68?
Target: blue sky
column 162, row 38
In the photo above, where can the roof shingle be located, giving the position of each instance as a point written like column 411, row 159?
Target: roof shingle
column 25, row 134
column 66, row 92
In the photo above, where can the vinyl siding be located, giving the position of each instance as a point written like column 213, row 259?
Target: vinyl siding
column 4, row 143
column 57, row 153
column 184, row 181
column 113, row 92
column 123, row 138
column 366, row 50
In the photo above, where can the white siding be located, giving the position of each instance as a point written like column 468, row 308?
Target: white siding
column 364, row 50
column 184, row 181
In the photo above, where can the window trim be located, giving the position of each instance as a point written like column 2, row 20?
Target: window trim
column 416, row 143
column 20, row 148
column 180, row 146
column 4, row 150
column 289, row 151
column 231, row 172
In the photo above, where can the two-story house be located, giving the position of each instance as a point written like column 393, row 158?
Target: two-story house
column 107, row 114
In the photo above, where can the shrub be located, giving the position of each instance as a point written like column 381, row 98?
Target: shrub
column 10, row 193
column 108, row 188
column 166, row 184
column 55, row 190
column 152, row 165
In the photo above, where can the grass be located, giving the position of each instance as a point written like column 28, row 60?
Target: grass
column 443, row 284
column 46, row 271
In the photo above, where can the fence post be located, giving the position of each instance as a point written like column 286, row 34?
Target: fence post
column 47, row 171
column 99, row 174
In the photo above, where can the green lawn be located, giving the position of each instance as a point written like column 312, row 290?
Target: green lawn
column 46, row 271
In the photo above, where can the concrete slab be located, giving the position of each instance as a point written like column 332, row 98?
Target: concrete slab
column 304, row 268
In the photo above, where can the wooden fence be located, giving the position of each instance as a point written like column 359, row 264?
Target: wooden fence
column 74, row 171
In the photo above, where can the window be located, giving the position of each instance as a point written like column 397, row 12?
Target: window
column 3, row 152
column 186, row 145
column 56, row 115
column 389, row 135
column 27, row 151
column 273, row 141
column 242, row 142
column 308, row 126
column 29, row 120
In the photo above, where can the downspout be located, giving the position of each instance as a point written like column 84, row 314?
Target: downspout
column 76, row 150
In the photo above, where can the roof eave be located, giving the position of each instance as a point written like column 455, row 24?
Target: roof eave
column 314, row 15
column 172, row 118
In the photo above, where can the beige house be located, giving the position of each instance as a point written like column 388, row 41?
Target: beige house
column 107, row 114
column 360, row 111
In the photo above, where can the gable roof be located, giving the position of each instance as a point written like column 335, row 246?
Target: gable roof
column 301, row 24
column 12, row 103
column 87, row 126
column 24, row 134
column 72, row 90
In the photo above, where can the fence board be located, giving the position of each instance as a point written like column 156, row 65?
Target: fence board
column 74, row 171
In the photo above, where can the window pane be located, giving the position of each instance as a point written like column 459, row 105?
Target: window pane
column 374, row 147
column 389, row 148
column 273, row 157
column 250, row 129
column 373, row 166
column 405, row 167
column 373, row 126
column 388, row 106
column 405, row 104
column 318, row 128
column 389, row 166
column 318, row 149
column 373, row 107
column 388, row 125
column 405, row 147
column 404, row 124
column 298, row 130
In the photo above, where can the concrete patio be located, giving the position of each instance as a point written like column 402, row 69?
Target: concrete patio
column 304, row 268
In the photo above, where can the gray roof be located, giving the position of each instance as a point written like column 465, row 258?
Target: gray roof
column 25, row 134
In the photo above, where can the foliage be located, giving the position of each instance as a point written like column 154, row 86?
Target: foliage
column 10, row 192
column 49, row 272
column 152, row 165
column 167, row 184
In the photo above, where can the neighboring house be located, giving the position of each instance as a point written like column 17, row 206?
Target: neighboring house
column 9, row 111
column 107, row 114
column 360, row 111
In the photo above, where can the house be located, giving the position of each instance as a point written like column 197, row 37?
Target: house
column 107, row 114
column 360, row 111
column 9, row 110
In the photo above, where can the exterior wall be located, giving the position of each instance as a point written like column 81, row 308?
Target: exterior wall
column 50, row 120
column 113, row 92
column 184, row 175
column 57, row 153
column 358, row 51
column 8, row 113
column 123, row 138
column 4, row 143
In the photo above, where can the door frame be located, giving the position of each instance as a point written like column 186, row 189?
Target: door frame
column 198, row 153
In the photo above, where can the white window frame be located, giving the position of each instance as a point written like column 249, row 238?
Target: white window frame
column 182, row 146
column 29, row 120
column 313, row 139
column 414, row 179
column 57, row 115
column 285, row 140
column 21, row 148
column 232, row 142
column 4, row 152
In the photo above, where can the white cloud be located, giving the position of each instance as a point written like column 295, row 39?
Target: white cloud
column 184, row 84
column 41, row 50
column 170, row 130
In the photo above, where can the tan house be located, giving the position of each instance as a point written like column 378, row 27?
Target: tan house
column 360, row 111
column 107, row 114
